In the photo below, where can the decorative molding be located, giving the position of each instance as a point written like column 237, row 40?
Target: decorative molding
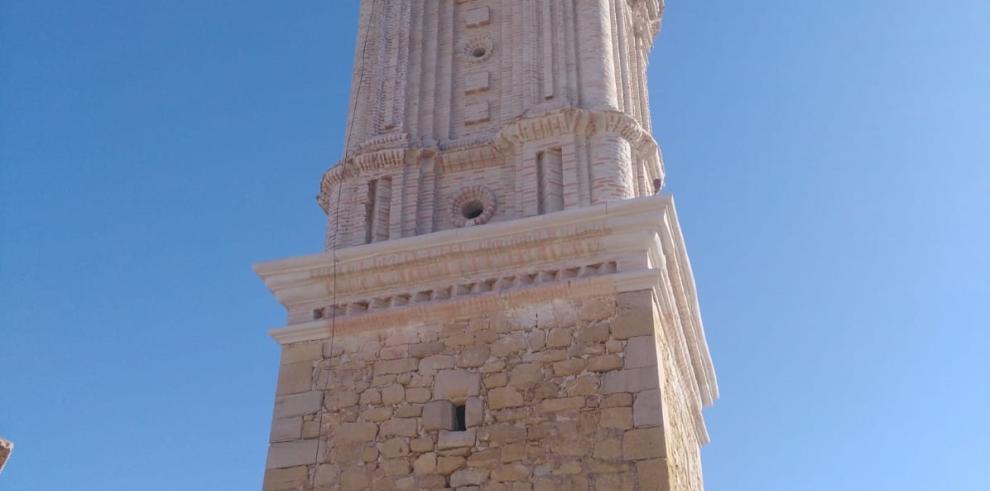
column 388, row 140
column 382, row 159
column 468, row 158
column 479, row 194
column 470, row 287
column 569, row 120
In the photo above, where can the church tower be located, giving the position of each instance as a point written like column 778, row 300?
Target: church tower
column 505, row 301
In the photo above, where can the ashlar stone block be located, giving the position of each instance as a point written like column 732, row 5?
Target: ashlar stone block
column 438, row 415
column 641, row 444
column 455, row 439
column 641, row 351
column 298, row 404
column 647, row 409
column 290, row 454
column 456, row 385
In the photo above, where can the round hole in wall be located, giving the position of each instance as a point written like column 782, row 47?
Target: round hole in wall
column 479, row 52
column 472, row 209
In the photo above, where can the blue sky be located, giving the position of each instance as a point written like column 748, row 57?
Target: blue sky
column 829, row 162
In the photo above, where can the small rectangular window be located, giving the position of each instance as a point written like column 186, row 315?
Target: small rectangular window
column 460, row 418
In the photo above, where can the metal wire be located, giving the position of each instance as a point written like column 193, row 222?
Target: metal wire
column 327, row 358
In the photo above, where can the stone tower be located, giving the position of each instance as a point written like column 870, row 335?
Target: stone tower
column 505, row 302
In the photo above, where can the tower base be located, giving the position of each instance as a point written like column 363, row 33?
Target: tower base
column 562, row 351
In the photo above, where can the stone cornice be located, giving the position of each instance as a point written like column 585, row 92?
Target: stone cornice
column 366, row 269
column 615, row 246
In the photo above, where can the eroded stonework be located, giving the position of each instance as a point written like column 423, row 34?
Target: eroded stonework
column 561, row 394
column 505, row 302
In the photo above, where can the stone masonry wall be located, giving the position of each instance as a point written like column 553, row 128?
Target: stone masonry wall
column 560, row 395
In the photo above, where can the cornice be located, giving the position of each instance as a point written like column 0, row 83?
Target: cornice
column 455, row 308
column 575, row 121
column 477, row 156
column 616, row 246
column 451, row 252
column 381, row 159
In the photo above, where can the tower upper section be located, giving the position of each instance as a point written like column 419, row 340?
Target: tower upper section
column 465, row 112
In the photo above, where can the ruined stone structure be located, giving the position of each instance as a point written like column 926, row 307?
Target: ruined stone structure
column 505, row 302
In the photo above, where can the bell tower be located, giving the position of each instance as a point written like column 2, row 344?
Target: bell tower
column 504, row 301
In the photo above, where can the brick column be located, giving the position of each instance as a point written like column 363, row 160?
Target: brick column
column 611, row 168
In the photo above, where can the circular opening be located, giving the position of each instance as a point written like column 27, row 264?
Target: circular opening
column 472, row 209
column 478, row 52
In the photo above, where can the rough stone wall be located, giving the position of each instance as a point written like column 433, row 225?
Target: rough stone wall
column 559, row 395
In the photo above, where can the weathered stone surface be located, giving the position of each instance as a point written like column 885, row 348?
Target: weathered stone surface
column 467, row 477
column 526, row 374
column 396, row 467
column 455, row 439
column 652, row 475
column 617, row 417
column 604, row 363
column 395, row 447
column 486, row 458
column 560, row 337
column 595, row 333
column 446, row 465
column 425, row 464
column 393, row 394
column 608, row 449
column 473, row 357
column 294, row 378
column 503, row 433
column 283, row 429
column 297, row 352
column 511, row 472
column 289, row 478
column 290, row 454
column 633, row 380
column 504, row 397
column 456, row 384
column 647, row 409
column 508, row 345
column 569, row 367
column 640, row 352
column 418, row 395
column 298, row 404
column 421, row 444
column 355, row 432
column 553, row 405
column 422, row 350
column 385, row 367
column 400, row 427
column 634, row 316
column 438, row 415
column 643, row 444
column 355, row 479
column 474, row 412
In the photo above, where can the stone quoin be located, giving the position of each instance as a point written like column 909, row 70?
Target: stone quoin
column 504, row 302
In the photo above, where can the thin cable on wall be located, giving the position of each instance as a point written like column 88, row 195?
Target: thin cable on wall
column 327, row 358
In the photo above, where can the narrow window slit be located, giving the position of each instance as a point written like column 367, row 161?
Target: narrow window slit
column 460, row 418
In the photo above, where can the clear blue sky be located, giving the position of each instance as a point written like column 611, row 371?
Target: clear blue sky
column 829, row 160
